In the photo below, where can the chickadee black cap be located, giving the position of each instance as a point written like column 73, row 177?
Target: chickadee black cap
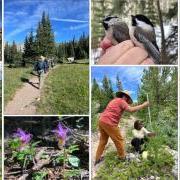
column 142, row 18
column 106, row 20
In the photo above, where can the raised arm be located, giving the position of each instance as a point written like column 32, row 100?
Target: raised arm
column 138, row 107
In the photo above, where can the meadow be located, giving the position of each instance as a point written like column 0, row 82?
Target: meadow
column 14, row 80
column 65, row 90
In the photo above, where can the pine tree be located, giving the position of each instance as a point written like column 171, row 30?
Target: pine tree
column 161, row 86
column 96, row 92
column 13, row 53
column 106, row 92
column 72, row 53
column 29, row 49
column 119, row 83
column 172, row 39
column 6, row 53
column 45, row 43
column 1, row 44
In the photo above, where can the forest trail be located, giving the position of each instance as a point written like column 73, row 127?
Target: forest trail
column 25, row 99
column 124, row 126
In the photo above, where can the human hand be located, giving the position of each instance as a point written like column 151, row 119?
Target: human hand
column 146, row 104
column 125, row 53
column 152, row 134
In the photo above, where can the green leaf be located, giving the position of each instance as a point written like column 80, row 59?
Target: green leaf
column 14, row 143
column 73, row 148
column 74, row 161
column 39, row 175
column 59, row 159
column 72, row 173
column 35, row 144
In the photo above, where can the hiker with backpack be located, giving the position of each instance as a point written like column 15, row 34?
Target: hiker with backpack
column 39, row 67
column 46, row 66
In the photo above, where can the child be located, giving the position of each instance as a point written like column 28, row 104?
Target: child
column 140, row 133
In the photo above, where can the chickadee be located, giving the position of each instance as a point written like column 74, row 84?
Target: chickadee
column 115, row 30
column 143, row 35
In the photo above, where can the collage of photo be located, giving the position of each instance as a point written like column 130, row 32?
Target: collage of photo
column 89, row 90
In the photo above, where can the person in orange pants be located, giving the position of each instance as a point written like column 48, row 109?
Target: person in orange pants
column 109, row 120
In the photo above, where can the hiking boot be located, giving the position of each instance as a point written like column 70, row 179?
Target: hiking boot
column 98, row 161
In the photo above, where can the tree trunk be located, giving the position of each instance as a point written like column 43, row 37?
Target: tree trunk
column 164, row 59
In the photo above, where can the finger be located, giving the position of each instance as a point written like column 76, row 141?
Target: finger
column 147, row 61
column 114, row 53
column 134, row 56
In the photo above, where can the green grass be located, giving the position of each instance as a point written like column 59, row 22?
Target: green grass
column 66, row 90
column 13, row 81
column 83, row 61
column 112, row 168
column 159, row 162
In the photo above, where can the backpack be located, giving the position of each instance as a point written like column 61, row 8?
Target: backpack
column 39, row 66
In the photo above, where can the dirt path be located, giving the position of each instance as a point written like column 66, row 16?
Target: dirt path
column 125, row 125
column 25, row 99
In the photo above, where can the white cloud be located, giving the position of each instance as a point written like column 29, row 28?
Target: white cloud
column 78, row 26
column 23, row 15
column 69, row 20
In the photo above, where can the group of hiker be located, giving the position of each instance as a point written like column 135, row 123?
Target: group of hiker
column 108, row 126
column 42, row 66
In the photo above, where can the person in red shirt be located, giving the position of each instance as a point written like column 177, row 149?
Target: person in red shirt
column 109, row 120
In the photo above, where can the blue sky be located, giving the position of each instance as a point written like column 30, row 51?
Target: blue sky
column 129, row 76
column 69, row 18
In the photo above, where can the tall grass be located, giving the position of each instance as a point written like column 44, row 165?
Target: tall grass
column 66, row 90
column 13, row 81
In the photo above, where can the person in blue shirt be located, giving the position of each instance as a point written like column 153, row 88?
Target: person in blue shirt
column 39, row 67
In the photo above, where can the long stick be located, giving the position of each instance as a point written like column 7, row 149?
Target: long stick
column 149, row 112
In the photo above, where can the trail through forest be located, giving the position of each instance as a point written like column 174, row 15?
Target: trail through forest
column 25, row 99
column 127, row 123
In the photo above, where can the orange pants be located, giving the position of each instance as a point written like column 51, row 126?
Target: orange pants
column 113, row 132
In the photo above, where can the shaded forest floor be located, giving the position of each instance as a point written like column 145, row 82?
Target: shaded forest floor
column 44, row 157
column 160, row 165
column 44, row 166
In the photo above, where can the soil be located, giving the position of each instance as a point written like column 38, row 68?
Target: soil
column 25, row 99
column 14, row 171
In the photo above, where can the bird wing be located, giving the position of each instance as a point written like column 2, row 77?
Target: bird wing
column 148, row 45
column 121, row 32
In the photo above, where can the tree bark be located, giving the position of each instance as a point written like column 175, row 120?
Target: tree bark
column 164, row 59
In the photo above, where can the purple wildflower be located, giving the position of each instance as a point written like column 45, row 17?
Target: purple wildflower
column 61, row 132
column 23, row 136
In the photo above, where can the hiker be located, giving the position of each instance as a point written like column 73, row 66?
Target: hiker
column 46, row 66
column 108, row 123
column 39, row 67
column 140, row 134
column 52, row 62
